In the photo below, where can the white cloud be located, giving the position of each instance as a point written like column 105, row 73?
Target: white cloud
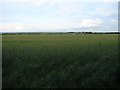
column 114, row 20
column 12, row 27
column 55, row 1
column 45, row 18
column 54, row 24
column 103, row 10
column 106, row 9
column 69, row 9
column 48, row 25
column 21, row 1
column 90, row 22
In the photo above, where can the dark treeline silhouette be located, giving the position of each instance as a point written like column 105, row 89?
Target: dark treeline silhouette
column 96, row 32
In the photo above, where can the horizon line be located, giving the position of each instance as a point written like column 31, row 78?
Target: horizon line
column 67, row 32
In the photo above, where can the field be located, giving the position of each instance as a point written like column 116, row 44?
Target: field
column 60, row 61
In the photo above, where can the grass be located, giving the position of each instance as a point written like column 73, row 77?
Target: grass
column 60, row 61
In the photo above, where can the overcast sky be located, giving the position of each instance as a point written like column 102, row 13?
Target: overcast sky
column 58, row 15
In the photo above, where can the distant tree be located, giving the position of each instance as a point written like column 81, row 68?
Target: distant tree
column 71, row 32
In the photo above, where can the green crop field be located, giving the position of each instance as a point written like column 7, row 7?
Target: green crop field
column 60, row 60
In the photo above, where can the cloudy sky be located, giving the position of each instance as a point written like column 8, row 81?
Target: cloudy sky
column 58, row 15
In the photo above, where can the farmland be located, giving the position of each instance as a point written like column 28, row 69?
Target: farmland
column 60, row 60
